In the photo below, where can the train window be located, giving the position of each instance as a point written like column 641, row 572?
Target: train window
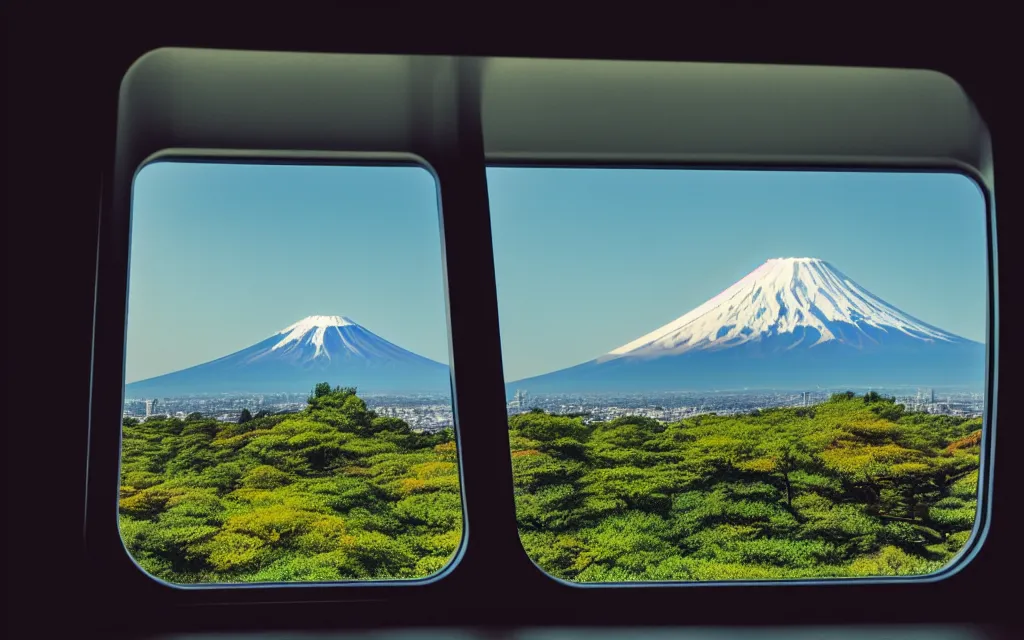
column 287, row 407
column 753, row 375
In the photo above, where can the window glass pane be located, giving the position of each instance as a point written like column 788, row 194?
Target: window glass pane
column 741, row 375
column 288, row 412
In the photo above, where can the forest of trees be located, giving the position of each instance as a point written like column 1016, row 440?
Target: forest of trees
column 331, row 493
column 850, row 487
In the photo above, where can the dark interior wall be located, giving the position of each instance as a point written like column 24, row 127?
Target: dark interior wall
column 64, row 69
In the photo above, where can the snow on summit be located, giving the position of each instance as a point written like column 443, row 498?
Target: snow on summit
column 777, row 298
column 318, row 325
column 313, row 350
column 791, row 323
column 316, row 338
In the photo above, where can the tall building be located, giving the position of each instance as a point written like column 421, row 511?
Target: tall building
column 520, row 400
column 150, row 405
column 932, row 395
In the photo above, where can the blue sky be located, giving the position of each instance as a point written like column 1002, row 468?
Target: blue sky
column 586, row 259
column 225, row 255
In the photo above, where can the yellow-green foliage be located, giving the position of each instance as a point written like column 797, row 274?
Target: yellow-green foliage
column 850, row 487
column 332, row 493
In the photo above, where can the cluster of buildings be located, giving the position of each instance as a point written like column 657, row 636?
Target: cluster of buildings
column 665, row 407
column 675, row 407
column 424, row 414
column 433, row 414
column 430, row 417
column 952, row 403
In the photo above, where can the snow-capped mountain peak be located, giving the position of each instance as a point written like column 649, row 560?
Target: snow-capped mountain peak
column 315, row 349
column 312, row 329
column 778, row 298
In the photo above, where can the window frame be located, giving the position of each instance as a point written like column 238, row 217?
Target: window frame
column 980, row 528
column 298, row 158
column 439, row 134
column 443, row 122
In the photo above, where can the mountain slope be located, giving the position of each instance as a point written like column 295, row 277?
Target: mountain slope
column 314, row 349
column 790, row 323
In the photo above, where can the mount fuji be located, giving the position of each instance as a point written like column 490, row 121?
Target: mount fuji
column 792, row 323
column 314, row 349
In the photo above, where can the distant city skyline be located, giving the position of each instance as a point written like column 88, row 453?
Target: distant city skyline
column 224, row 255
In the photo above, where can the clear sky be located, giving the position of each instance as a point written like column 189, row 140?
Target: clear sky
column 586, row 259
column 226, row 255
